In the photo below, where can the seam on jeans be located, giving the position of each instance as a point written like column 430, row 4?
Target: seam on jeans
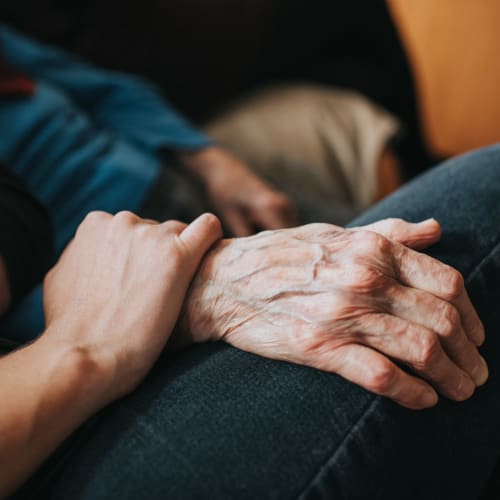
column 482, row 262
column 364, row 415
column 369, row 410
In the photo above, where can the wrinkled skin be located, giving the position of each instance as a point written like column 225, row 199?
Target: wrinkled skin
column 348, row 301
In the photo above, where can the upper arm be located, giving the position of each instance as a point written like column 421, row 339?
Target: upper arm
column 126, row 104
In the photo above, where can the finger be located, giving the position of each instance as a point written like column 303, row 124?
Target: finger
column 238, row 223
column 276, row 212
column 472, row 324
column 374, row 372
column 418, row 235
column 420, row 349
column 443, row 318
column 201, row 234
column 420, row 271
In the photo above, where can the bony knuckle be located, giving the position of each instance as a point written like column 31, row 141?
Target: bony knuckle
column 429, row 351
column 382, row 379
column 372, row 243
column 367, row 279
column 449, row 322
column 454, row 284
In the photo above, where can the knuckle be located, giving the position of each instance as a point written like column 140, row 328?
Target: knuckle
column 95, row 217
column 172, row 225
column 449, row 322
column 454, row 284
column 125, row 217
column 382, row 379
column 371, row 242
column 429, row 351
column 367, row 279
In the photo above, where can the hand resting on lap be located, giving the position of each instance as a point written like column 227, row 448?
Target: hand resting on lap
column 117, row 291
column 348, row 301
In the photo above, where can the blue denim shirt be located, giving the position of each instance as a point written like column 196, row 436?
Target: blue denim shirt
column 86, row 140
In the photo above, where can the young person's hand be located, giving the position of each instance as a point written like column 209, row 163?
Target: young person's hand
column 244, row 201
column 348, row 301
column 118, row 288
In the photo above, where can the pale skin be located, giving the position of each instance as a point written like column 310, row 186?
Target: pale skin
column 345, row 301
column 110, row 303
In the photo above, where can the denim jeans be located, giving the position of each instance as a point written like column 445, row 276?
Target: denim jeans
column 216, row 422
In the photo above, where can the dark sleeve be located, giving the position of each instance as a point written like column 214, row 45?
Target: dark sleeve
column 25, row 235
column 123, row 103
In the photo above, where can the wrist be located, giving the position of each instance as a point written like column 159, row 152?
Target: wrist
column 200, row 319
column 88, row 373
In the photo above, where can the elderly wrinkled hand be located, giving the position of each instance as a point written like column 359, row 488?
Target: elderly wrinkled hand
column 349, row 301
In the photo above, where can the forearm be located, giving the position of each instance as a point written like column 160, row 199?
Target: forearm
column 47, row 390
column 123, row 103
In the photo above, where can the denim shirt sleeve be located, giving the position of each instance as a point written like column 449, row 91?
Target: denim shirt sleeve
column 125, row 104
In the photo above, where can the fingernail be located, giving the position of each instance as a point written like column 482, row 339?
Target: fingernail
column 428, row 398
column 480, row 372
column 426, row 221
column 465, row 389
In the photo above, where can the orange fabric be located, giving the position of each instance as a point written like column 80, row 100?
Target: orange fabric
column 454, row 49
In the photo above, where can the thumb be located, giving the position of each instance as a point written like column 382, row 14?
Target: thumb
column 415, row 235
column 201, row 234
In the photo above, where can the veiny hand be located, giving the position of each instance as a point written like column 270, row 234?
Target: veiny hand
column 244, row 201
column 118, row 288
column 348, row 301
